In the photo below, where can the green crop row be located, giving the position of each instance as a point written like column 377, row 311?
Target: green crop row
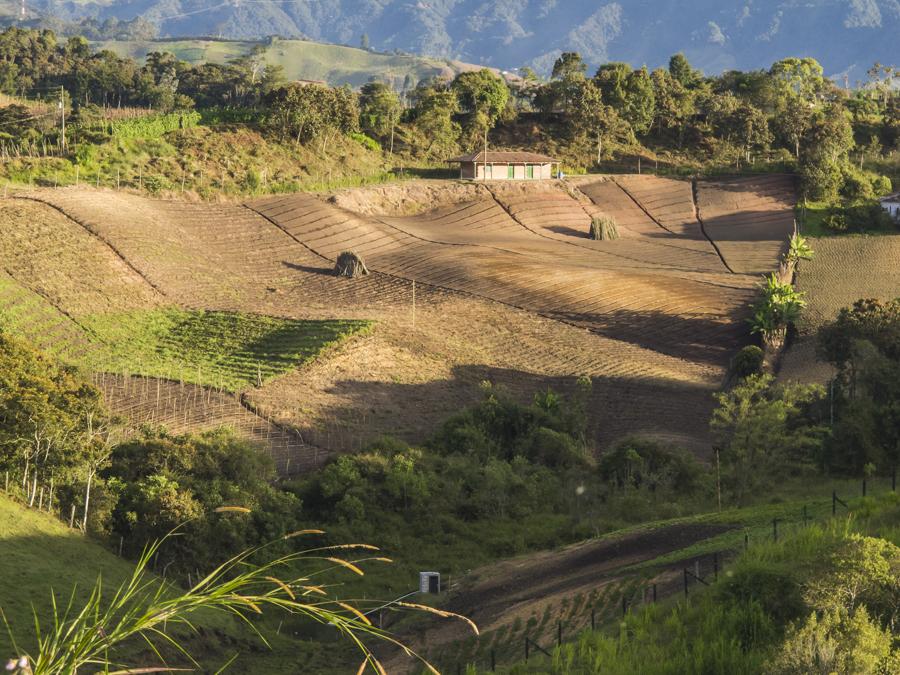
column 154, row 126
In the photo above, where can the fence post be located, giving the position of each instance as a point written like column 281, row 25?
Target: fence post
column 716, row 566
column 654, row 592
column 593, row 619
column 559, row 633
column 746, row 540
column 526, row 649
column 685, row 582
column 493, row 660
column 624, row 606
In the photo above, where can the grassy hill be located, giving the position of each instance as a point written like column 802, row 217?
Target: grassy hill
column 42, row 556
column 301, row 59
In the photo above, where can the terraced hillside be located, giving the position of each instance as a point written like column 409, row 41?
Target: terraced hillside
column 844, row 270
column 496, row 283
column 750, row 220
column 75, row 296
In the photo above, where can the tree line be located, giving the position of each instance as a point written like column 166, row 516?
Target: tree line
column 789, row 113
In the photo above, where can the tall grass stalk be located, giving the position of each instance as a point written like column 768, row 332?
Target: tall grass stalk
column 147, row 608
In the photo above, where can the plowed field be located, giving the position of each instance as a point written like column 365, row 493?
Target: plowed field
column 749, row 219
column 844, row 270
column 497, row 282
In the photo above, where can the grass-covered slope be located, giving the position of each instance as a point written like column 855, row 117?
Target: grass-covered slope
column 822, row 593
column 302, row 60
column 41, row 556
column 223, row 349
column 205, row 162
column 113, row 320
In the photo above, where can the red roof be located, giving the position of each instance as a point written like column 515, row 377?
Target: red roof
column 504, row 158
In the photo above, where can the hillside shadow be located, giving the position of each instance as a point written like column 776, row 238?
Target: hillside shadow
column 617, row 407
column 327, row 271
column 762, row 184
column 751, row 226
column 568, row 231
column 701, row 339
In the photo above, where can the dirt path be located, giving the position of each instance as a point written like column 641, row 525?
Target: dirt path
column 498, row 596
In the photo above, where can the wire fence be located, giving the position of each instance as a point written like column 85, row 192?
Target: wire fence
column 520, row 641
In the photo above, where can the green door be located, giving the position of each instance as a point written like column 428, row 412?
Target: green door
column 529, row 171
column 510, row 172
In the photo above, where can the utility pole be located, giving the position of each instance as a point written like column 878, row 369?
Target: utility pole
column 485, row 154
column 62, row 112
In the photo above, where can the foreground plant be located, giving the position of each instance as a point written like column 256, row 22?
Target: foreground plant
column 147, row 608
column 798, row 249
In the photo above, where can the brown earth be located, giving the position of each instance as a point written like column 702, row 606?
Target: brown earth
column 498, row 595
column 749, row 219
column 508, row 289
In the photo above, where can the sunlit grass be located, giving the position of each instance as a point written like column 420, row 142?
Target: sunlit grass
column 227, row 350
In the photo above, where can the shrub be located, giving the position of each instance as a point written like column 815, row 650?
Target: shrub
column 554, row 449
column 836, row 642
column 882, row 186
column 748, row 361
column 156, row 184
column 159, row 481
column 641, row 462
column 776, row 592
column 252, row 181
column 835, row 221
column 857, row 186
column 366, row 142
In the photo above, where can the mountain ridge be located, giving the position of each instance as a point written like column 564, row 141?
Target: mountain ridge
column 846, row 36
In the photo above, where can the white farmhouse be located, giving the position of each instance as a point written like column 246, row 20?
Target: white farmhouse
column 506, row 166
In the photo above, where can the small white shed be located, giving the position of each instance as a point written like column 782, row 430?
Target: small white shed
column 891, row 204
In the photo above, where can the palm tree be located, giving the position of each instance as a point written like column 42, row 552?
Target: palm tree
column 779, row 306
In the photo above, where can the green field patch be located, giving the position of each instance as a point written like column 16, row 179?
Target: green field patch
column 227, row 350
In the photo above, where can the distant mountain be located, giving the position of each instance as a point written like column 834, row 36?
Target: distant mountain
column 847, row 36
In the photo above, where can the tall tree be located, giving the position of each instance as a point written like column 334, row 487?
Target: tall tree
column 682, row 71
column 824, row 153
column 567, row 75
column 640, row 101
column 379, row 110
column 483, row 96
column 432, row 114
column 589, row 117
column 674, row 104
